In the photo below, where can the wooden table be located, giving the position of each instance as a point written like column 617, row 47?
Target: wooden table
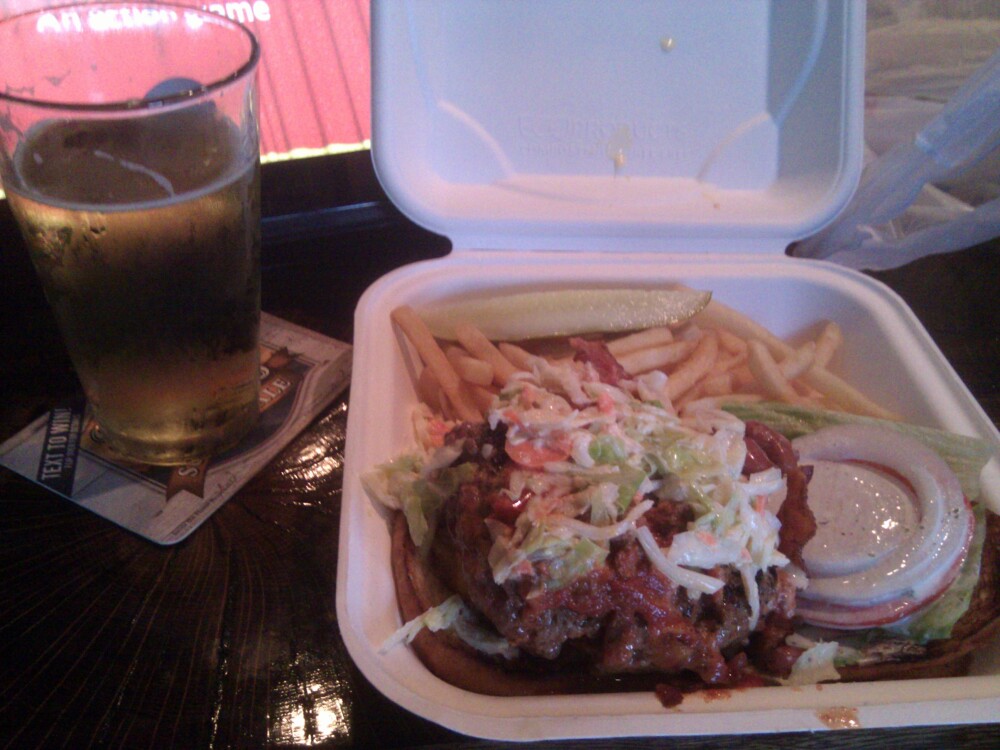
column 230, row 638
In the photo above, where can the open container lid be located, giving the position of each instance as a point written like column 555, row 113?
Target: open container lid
column 567, row 124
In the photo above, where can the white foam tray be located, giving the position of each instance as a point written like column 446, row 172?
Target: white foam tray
column 887, row 353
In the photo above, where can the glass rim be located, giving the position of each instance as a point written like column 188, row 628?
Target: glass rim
column 146, row 103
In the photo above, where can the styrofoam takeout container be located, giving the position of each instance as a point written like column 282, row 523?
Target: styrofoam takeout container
column 567, row 144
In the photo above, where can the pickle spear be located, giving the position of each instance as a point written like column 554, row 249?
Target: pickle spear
column 565, row 312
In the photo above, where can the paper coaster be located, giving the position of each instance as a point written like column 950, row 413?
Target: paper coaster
column 301, row 373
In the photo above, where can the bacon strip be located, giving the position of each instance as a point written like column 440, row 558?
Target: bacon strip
column 609, row 369
column 798, row 524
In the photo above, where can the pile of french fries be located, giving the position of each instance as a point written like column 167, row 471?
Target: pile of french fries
column 719, row 354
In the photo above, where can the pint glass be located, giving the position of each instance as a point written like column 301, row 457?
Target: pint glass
column 129, row 155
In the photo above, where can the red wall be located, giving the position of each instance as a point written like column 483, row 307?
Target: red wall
column 314, row 73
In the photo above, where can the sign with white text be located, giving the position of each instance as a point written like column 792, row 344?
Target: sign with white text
column 314, row 71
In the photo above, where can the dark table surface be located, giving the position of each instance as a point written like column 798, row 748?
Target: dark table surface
column 230, row 638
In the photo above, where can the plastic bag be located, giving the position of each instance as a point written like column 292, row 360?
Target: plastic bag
column 931, row 183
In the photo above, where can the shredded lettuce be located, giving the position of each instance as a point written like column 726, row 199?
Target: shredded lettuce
column 814, row 665
column 937, row 620
column 607, row 449
column 602, row 501
column 452, row 614
column 693, row 581
column 387, row 481
column 434, row 619
column 580, row 558
column 563, row 556
column 406, row 484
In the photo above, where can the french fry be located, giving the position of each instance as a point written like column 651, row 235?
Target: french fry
column 521, row 358
column 695, row 393
column 769, row 375
column 743, row 378
column 657, row 357
column 640, row 340
column 809, row 396
column 470, row 369
column 844, row 395
column 824, row 381
column 718, row 385
column 728, row 362
column 731, row 342
column 807, row 392
column 718, row 315
column 483, row 397
column 691, row 370
column 477, row 344
column 828, row 341
column 434, row 358
column 798, row 361
column 429, row 391
column 720, row 353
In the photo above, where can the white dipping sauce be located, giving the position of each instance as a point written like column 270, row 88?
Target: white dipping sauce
column 865, row 515
column 884, row 545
